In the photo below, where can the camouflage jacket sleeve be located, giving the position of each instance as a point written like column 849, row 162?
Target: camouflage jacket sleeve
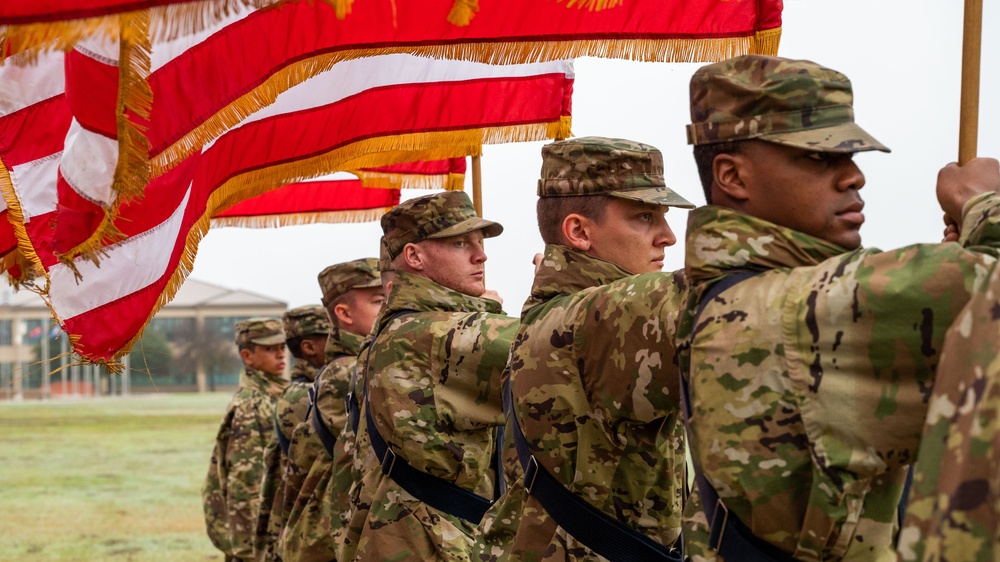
column 821, row 367
column 251, row 430
column 440, row 391
column 215, row 490
column 883, row 314
column 953, row 513
column 637, row 328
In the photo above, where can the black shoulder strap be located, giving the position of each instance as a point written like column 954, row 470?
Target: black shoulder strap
column 728, row 536
column 326, row 436
column 438, row 493
column 351, row 405
column 601, row 533
column 282, row 440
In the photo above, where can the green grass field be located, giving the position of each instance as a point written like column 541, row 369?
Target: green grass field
column 106, row 479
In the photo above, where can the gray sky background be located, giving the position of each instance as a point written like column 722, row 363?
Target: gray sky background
column 902, row 56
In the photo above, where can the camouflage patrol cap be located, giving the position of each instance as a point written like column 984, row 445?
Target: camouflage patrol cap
column 306, row 320
column 384, row 259
column 449, row 213
column 337, row 279
column 262, row 331
column 794, row 103
column 602, row 166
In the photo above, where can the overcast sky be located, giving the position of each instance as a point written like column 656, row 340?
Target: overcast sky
column 902, row 56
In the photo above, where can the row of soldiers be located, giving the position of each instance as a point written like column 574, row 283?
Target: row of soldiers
column 810, row 379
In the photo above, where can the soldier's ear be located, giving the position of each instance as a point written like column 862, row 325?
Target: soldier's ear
column 576, row 232
column 727, row 183
column 245, row 356
column 413, row 257
column 343, row 314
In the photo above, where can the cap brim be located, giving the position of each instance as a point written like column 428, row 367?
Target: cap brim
column 269, row 340
column 489, row 228
column 663, row 196
column 844, row 138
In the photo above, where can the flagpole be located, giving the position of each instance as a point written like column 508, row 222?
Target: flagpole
column 477, row 185
column 968, row 128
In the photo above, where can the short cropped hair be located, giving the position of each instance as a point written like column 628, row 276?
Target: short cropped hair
column 551, row 211
column 704, row 156
column 295, row 346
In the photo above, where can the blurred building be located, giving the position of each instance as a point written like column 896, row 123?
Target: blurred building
column 188, row 346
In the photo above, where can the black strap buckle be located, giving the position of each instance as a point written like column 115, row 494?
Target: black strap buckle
column 530, row 473
column 388, row 462
column 718, row 531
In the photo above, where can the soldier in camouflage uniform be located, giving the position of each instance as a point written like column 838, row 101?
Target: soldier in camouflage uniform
column 593, row 381
column 954, row 509
column 307, row 330
column 808, row 378
column 231, row 493
column 433, row 389
column 353, row 296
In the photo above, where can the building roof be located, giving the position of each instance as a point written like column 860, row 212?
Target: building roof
column 192, row 294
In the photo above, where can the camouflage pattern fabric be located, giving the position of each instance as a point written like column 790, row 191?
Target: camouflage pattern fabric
column 439, row 215
column 954, row 510
column 260, row 330
column 604, row 166
column 320, row 504
column 809, row 382
column 306, row 320
column 435, row 392
column 595, row 389
column 231, row 492
column 339, row 278
column 791, row 102
column 290, row 411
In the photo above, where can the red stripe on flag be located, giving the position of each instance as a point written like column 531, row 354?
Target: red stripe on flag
column 403, row 109
column 8, row 242
column 34, row 132
column 425, row 167
column 92, row 93
column 31, row 11
column 314, row 197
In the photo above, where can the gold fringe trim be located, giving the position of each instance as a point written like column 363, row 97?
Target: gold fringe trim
column 136, row 98
column 643, row 50
column 96, row 245
column 297, row 219
column 456, row 182
column 369, row 153
column 24, row 256
column 766, row 42
column 593, row 5
column 679, row 50
column 166, row 23
column 383, row 180
column 462, row 12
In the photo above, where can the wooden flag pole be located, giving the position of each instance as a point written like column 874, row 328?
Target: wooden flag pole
column 972, row 36
column 477, row 185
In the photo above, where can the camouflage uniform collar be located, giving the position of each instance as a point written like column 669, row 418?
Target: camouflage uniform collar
column 420, row 294
column 344, row 342
column 302, row 369
column 720, row 240
column 565, row 271
column 259, row 380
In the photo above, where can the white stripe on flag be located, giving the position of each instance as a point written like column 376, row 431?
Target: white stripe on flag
column 89, row 162
column 28, row 85
column 35, row 185
column 144, row 257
